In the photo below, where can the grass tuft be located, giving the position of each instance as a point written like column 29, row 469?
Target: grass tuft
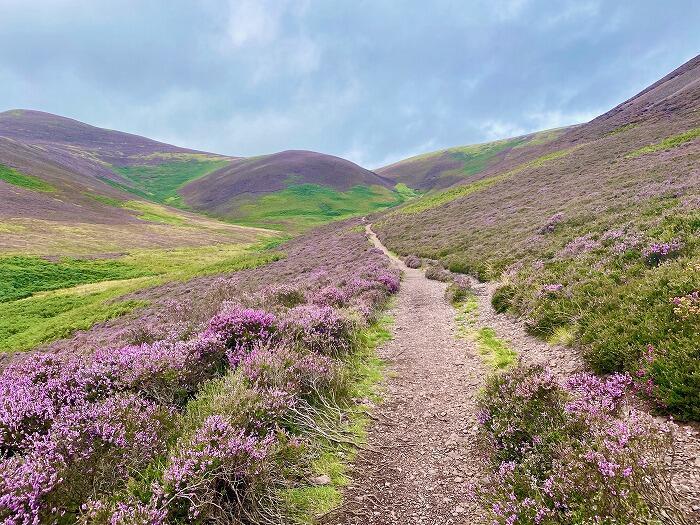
column 494, row 350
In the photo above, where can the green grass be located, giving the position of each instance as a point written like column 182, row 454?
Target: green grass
column 103, row 199
column 302, row 206
column 14, row 177
column 155, row 213
column 435, row 200
column 668, row 143
column 623, row 128
column 366, row 371
column 49, row 315
column 476, row 158
column 494, row 350
column 160, row 182
column 22, row 276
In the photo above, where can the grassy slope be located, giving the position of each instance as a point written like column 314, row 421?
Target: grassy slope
column 160, row 182
column 580, row 215
column 22, row 180
column 302, row 206
column 443, row 168
column 50, row 315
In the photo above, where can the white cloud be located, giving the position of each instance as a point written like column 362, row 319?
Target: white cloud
column 252, row 22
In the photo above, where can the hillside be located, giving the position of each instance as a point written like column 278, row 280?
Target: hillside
column 592, row 235
column 96, row 170
column 444, row 168
column 291, row 189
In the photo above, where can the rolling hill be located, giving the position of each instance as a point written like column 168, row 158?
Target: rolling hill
column 441, row 169
column 592, row 235
column 291, row 189
column 89, row 173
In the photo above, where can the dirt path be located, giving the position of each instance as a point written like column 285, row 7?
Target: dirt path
column 417, row 465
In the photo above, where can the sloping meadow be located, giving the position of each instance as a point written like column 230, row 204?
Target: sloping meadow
column 211, row 415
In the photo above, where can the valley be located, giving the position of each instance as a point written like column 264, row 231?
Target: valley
column 505, row 332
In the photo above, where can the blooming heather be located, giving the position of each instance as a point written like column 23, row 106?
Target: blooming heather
column 213, row 473
column 657, row 252
column 74, row 427
column 569, row 453
column 320, row 329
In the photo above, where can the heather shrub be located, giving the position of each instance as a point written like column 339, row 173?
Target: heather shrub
column 390, row 280
column 90, row 448
column 412, row 261
column 571, row 453
column 166, row 371
column 658, row 252
column 329, row 296
column 241, row 328
column 286, row 295
column 437, row 273
column 215, row 475
column 321, row 329
column 458, row 290
column 280, row 372
column 551, row 224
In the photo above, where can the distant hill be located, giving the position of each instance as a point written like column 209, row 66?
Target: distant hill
column 291, row 188
column 444, row 168
column 92, row 172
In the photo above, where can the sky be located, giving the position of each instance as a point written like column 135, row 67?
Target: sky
column 372, row 81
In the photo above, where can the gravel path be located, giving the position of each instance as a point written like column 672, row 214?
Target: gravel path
column 417, row 465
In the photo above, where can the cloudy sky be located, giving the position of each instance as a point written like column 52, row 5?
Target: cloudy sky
column 373, row 81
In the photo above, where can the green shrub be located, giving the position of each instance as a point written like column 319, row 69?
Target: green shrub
column 502, row 298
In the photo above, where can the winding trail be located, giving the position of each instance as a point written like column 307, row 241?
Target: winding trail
column 417, row 466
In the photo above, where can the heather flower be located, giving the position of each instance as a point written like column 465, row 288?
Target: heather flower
column 552, row 288
column 569, row 453
column 321, row 329
column 657, row 252
column 329, row 296
column 241, row 329
column 578, row 246
column 552, row 223
column 88, row 446
column 213, row 475
column 136, row 513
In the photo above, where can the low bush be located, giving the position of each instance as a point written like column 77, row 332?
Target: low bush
column 502, row 298
column 571, row 453
column 437, row 273
column 412, row 261
column 458, row 290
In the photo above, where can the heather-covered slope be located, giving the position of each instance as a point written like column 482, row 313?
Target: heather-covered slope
column 90, row 172
column 291, row 189
column 594, row 235
column 444, row 168
column 101, row 159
